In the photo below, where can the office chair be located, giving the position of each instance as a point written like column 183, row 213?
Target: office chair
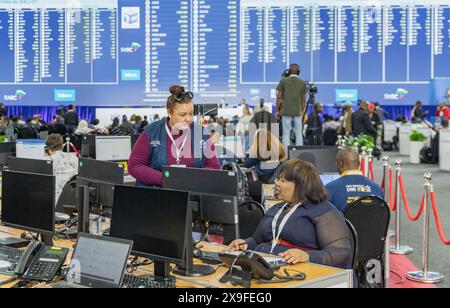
column 67, row 200
column 250, row 215
column 353, row 242
column 370, row 217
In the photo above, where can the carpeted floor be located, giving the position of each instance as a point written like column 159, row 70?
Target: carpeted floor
column 411, row 232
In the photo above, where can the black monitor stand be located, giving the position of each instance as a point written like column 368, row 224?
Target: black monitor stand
column 189, row 269
column 46, row 239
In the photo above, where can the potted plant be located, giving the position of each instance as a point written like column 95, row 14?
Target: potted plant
column 360, row 143
column 417, row 142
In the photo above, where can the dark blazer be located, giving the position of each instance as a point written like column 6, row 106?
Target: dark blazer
column 361, row 124
column 319, row 228
column 71, row 118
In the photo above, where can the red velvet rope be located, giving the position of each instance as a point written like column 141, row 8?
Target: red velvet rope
column 75, row 150
column 406, row 203
column 363, row 166
column 371, row 174
column 391, row 191
column 438, row 220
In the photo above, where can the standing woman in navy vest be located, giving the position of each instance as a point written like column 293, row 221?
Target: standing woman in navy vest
column 172, row 141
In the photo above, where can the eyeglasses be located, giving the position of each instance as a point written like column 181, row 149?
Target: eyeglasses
column 182, row 96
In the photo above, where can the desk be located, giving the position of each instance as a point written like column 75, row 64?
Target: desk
column 318, row 276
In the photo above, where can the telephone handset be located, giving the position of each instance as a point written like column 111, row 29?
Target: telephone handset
column 251, row 264
column 40, row 262
column 27, row 257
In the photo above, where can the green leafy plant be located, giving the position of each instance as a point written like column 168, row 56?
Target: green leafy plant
column 362, row 141
column 417, row 136
column 2, row 138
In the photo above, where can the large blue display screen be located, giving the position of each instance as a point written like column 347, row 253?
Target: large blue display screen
column 129, row 52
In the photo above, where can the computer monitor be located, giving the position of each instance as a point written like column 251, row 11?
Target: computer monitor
column 324, row 158
column 88, row 146
column 30, row 165
column 30, row 148
column 28, row 202
column 214, row 196
column 7, row 149
column 194, row 180
column 95, row 186
column 231, row 147
column 101, row 171
column 112, row 148
column 99, row 262
column 159, row 222
column 330, row 177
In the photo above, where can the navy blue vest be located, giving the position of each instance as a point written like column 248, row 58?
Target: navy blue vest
column 156, row 132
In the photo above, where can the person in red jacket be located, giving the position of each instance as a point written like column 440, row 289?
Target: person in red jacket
column 443, row 111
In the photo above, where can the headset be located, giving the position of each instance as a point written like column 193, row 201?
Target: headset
column 289, row 71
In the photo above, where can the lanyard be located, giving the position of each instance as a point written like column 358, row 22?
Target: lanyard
column 282, row 224
column 178, row 149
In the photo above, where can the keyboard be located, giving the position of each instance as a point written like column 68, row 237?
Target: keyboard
column 9, row 254
column 141, row 282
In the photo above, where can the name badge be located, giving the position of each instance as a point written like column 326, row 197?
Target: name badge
column 178, row 166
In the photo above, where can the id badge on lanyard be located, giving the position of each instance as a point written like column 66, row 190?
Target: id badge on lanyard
column 177, row 149
column 275, row 235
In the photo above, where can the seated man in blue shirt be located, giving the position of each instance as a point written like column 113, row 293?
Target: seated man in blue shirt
column 353, row 184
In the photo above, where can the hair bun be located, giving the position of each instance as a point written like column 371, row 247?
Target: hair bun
column 176, row 89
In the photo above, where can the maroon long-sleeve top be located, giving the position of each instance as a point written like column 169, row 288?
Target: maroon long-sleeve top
column 139, row 162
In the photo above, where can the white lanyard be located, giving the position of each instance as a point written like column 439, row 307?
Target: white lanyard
column 282, row 224
column 178, row 149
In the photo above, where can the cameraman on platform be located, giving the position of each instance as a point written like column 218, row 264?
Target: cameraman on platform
column 291, row 105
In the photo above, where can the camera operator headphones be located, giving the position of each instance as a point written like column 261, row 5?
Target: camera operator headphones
column 290, row 72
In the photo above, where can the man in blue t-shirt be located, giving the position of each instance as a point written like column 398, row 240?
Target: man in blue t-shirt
column 353, row 184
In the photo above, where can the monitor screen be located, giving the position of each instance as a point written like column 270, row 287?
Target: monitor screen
column 157, row 221
column 30, row 165
column 202, row 181
column 98, row 261
column 324, row 158
column 328, row 178
column 28, row 201
column 232, row 147
column 101, row 171
column 32, row 149
column 113, row 148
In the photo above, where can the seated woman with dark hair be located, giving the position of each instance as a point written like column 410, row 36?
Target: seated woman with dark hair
column 266, row 154
column 305, row 227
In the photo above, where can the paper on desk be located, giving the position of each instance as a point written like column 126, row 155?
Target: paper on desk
column 5, row 264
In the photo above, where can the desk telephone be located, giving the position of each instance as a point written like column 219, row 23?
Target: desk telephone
column 40, row 262
column 253, row 266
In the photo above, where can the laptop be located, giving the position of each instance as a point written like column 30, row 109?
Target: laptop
column 97, row 262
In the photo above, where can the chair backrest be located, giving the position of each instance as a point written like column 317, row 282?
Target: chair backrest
column 67, row 200
column 250, row 215
column 354, row 242
column 370, row 217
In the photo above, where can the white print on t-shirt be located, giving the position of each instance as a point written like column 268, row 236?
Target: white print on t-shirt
column 358, row 189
